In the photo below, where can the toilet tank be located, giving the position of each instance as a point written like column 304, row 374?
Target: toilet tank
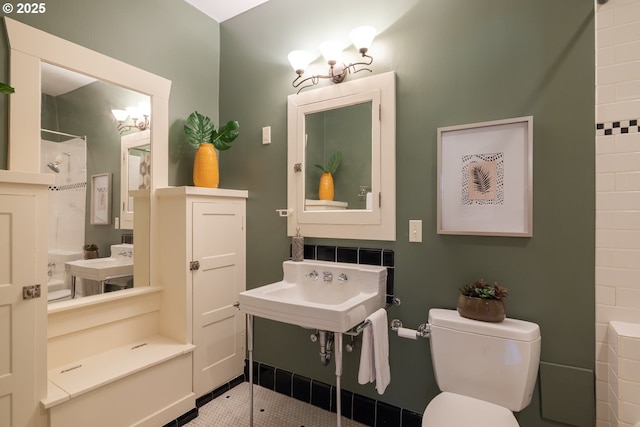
column 494, row 362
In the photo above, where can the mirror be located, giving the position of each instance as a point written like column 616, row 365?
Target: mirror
column 30, row 49
column 135, row 168
column 347, row 131
column 76, row 104
column 357, row 119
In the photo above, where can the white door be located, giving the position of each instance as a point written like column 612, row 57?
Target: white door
column 218, row 327
column 19, row 400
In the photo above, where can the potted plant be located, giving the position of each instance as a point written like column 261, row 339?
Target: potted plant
column 481, row 301
column 325, row 188
column 90, row 251
column 202, row 134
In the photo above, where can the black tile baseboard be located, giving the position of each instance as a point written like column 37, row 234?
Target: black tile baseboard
column 203, row 400
column 359, row 408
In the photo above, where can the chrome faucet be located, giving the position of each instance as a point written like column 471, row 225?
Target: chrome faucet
column 128, row 254
column 313, row 275
column 327, row 276
column 342, row 277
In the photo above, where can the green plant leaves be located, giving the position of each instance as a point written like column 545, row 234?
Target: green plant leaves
column 481, row 289
column 199, row 129
column 332, row 165
column 5, row 88
column 225, row 135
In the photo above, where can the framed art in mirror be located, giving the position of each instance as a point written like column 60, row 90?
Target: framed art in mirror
column 101, row 199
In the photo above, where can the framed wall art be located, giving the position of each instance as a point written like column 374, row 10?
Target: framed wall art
column 101, row 199
column 485, row 178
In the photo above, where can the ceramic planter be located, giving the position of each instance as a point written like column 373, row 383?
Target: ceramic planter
column 486, row 310
column 325, row 188
column 205, row 167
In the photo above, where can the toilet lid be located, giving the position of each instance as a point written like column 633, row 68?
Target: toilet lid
column 455, row 410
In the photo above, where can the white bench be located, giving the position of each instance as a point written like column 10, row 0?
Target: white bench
column 136, row 384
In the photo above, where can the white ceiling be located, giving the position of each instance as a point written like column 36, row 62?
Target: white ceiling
column 221, row 10
column 57, row 81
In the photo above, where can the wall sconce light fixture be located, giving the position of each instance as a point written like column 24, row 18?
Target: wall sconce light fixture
column 139, row 117
column 361, row 37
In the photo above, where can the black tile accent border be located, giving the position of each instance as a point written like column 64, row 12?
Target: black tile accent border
column 321, row 395
column 411, row 419
column 373, row 413
column 284, row 382
column 301, row 388
column 359, row 408
column 364, row 410
column 369, row 256
column 203, row 400
column 617, row 127
column 388, row 415
column 267, row 376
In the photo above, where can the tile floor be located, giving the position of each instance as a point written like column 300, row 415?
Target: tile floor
column 271, row 409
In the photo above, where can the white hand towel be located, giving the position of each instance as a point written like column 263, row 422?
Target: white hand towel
column 374, row 357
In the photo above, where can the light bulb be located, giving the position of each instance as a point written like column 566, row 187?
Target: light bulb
column 120, row 115
column 145, row 108
column 331, row 50
column 299, row 60
column 134, row 113
column 362, row 37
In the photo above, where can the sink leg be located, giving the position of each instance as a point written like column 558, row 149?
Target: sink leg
column 250, row 350
column 338, row 350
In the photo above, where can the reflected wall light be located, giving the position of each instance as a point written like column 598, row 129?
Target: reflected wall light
column 361, row 37
column 139, row 117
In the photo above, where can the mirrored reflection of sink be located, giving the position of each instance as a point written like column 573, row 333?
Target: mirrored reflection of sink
column 321, row 295
column 101, row 269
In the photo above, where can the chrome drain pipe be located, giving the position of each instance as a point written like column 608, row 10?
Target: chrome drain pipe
column 326, row 346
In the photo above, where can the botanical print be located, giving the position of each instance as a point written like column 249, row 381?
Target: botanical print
column 483, row 179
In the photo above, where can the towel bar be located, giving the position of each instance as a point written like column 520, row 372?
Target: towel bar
column 357, row 330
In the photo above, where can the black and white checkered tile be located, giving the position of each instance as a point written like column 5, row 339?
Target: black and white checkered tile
column 617, row 128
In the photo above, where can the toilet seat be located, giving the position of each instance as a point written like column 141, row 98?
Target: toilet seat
column 455, row 410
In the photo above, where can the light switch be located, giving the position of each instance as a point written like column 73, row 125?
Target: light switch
column 266, row 135
column 415, row 230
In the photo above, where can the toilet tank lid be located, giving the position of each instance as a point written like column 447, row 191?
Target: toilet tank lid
column 514, row 329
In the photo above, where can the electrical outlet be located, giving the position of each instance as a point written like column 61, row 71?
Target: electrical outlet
column 415, row 230
column 266, row 135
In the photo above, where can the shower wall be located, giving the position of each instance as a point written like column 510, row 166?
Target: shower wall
column 67, row 201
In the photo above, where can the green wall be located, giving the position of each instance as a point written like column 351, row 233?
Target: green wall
column 457, row 62
column 169, row 38
column 347, row 130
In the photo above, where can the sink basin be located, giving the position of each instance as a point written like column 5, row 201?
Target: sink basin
column 101, row 269
column 328, row 296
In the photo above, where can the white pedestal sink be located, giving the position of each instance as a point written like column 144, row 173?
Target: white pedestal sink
column 119, row 264
column 101, row 269
column 328, row 296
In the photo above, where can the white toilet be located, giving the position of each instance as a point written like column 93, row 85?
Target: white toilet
column 484, row 370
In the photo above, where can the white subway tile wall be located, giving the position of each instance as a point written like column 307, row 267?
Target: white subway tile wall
column 617, row 213
column 624, row 372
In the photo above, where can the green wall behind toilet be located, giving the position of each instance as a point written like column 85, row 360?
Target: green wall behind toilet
column 457, row 62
